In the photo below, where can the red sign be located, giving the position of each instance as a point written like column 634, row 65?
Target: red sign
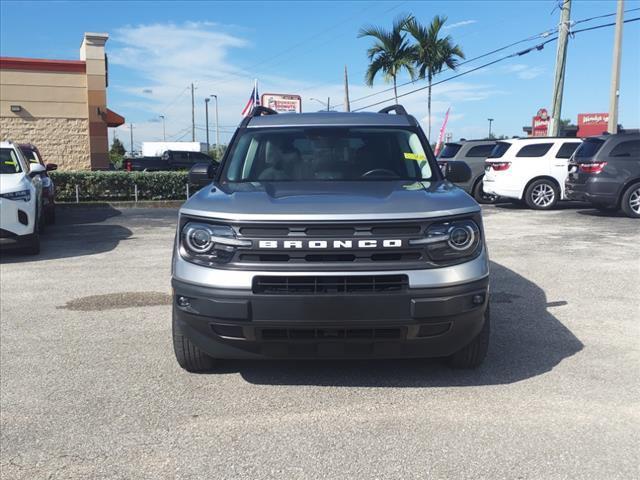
column 540, row 124
column 590, row 124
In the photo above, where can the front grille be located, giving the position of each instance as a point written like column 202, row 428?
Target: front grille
column 330, row 334
column 330, row 285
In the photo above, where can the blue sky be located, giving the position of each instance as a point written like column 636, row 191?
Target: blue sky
column 156, row 49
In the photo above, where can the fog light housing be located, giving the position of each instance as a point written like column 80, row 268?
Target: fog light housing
column 183, row 302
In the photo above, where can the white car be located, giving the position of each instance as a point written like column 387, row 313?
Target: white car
column 530, row 169
column 20, row 200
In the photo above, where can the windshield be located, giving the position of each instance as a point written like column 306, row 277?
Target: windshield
column 327, row 153
column 499, row 150
column 450, row 150
column 9, row 162
column 588, row 148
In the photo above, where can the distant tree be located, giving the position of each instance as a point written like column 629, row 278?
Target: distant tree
column 216, row 152
column 116, row 153
column 390, row 54
column 432, row 52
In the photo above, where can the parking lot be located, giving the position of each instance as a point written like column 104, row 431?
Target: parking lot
column 90, row 387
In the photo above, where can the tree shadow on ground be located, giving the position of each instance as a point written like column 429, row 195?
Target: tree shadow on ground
column 77, row 232
column 526, row 341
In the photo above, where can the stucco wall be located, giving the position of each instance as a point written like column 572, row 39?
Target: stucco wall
column 64, row 141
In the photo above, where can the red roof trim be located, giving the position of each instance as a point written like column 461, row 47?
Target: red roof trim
column 113, row 119
column 42, row 65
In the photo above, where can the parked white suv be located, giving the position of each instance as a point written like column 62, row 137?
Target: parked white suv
column 530, row 169
column 20, row 200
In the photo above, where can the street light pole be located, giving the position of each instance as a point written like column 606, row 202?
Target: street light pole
column 490, row 122
column 206, row 114
column 164, row 131
column 327, row 105
column 217, row 126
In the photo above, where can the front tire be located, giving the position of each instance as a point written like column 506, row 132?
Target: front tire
column 481, row 196
column 188, row 355
column 475, row 352
column 542, row 194
column 631, row 201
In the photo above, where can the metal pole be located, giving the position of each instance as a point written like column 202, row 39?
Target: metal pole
column 193, row 116
column 206, row 115
column 164, row 132
column 187, row 189
column 561, row 62
column 135, row 191
column 614, row 95
column 328, row 103
column 217, row 127
column 77, row 194
column 490, row 121
column 131, row 133
column 347, row 106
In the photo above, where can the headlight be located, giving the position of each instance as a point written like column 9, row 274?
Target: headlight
column 209, row 244
column 451, row 240
column 20, row 195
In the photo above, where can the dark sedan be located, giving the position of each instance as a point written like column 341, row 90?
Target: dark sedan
column 32, row 154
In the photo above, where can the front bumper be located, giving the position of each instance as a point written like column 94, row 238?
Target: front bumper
column 423, row 322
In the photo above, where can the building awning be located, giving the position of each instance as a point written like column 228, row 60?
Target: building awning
column 113, row 119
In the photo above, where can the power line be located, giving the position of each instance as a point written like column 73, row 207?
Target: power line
column 516, row 54
column 530, row 38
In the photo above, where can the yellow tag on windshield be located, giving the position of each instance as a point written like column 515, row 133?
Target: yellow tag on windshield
column 414, row 156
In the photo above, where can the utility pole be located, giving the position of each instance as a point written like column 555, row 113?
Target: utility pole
column 131, row 133
column 561, row 62
column 193, row 116
column 614, row 96
column 217, row 126
column 328, row 102
column 347, row 107
column 164, row 131
column 206, row 122
column 490, row 122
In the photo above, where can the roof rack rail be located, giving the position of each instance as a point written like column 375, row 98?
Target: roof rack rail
column 399, row 109
column 260, row 110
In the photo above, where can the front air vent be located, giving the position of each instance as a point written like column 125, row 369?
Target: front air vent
column 329, row 285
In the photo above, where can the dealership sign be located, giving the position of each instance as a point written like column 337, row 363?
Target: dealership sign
column 540, row 123
column 282, row 103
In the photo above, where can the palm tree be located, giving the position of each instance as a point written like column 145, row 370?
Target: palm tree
column 390, row 54
column 432, row 52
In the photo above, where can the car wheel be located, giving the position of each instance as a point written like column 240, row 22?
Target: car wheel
column 481, row 196
column 631, row 201
column 542, row 195
column 473, row 354
column 189, row 356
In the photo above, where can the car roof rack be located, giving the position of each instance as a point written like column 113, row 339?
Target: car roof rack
column 257, row 112
column 399, row 109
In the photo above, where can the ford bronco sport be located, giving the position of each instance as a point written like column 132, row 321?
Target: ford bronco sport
column 331, row 235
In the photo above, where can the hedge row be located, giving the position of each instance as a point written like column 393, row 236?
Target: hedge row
column 121, row 185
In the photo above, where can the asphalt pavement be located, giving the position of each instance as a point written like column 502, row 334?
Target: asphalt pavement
column 90, row 388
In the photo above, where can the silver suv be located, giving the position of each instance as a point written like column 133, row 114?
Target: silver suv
column 330, row 235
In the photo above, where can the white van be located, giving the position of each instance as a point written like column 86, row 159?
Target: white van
column 20, row 200
column 530, row 169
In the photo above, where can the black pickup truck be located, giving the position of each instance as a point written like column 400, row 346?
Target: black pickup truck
column 170, row 160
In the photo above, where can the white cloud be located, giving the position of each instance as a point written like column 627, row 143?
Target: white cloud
column 523, row 71
column 460, row 24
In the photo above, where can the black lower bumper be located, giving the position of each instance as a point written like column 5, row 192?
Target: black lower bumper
column 590, row 192
column 9, row 240
column 431, row 322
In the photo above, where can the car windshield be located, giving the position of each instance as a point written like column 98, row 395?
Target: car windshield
column 9, row 162
column 588, row 148
column 499, row 150
column 327, row 153
column 450, row 150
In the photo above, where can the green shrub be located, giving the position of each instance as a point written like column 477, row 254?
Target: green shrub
column 121, row 185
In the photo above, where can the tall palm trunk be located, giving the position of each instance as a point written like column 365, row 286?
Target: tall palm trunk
column 395, row 89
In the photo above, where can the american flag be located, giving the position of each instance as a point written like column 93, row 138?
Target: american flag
column 254, row 101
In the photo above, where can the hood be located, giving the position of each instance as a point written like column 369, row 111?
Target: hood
column 11, row 182
column 332, row 201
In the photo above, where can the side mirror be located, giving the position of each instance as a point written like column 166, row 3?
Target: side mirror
column 201, row 174
column 36, row 169
column 457, row 171
column 51, row 167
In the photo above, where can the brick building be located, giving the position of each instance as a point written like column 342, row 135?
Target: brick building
column 60, row 106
